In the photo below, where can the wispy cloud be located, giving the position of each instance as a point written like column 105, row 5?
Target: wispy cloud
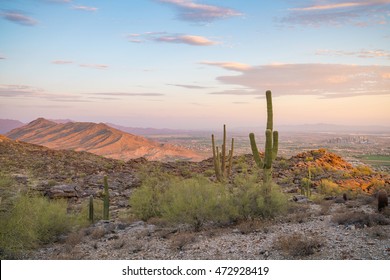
column 84, row 8
column 60, row 62
column 95, row 66
column 336, row 12
column 24, row 91
column 323, row 80
column 188, row 86
column 163, row 37
column 2, row 57
column 18, row 17
column 191, row 11
column 125, row 94
column 186, row 39
column 378, row 53
column 229, row 65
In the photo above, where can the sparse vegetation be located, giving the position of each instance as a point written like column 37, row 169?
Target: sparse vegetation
column 329, row 188
column 298, row 244
column 32, row 221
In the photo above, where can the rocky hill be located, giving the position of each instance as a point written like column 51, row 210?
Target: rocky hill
column 99, row 139
column 325, row 228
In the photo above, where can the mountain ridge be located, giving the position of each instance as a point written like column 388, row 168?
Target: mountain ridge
column 99, row 139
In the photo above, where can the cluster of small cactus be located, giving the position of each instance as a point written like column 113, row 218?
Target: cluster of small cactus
column 222, row 162
column 271, row 147
column 106, row 204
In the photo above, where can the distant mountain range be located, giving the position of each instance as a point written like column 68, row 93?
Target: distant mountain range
column 99, row 139
column 7, row 125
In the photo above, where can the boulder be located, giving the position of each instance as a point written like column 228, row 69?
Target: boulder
column 62, row 191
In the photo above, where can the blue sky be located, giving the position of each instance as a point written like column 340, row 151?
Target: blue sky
column 195, row 64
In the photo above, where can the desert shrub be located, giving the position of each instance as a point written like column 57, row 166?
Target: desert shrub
column 145, row 201
column 277, row 204
column 7, row 191
column 360, row 219
column 196, row 201
column 299, row 245
column 32, row 221
column 362, row 170
column 327, row 187
column 249, row 199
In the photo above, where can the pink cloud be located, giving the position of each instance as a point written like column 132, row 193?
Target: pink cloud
column 62, row 62
column 186, row 39
column 324, row 80
column 378, row 53
column 191, row 11
column 19, row 18
column 94, row 66
column 336, row 12
column 235, row 66
column 164, row 37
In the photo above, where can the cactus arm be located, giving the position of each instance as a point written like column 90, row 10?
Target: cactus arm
column 230, row 158
column 255, row 151
column 90, row 210
column 270, row 121
column 223, row 167
column 275, row 144
column 268, row 149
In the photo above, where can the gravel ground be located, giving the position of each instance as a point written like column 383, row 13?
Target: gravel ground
column 306, row 234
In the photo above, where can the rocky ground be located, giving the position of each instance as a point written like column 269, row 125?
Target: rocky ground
column 330, row 228
column 311, row 231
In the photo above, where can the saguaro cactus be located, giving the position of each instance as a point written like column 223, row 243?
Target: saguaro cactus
column 106, row 200
column 271, row 147
column 222, row 162
column 91, row 216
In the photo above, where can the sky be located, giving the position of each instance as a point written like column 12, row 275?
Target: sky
column 196, row 64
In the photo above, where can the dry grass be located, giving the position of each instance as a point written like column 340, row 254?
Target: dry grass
column 75, row 238
column 180, row 240
column 360, row 219
column 249, row 226
column 98, row 233
column 298, row 245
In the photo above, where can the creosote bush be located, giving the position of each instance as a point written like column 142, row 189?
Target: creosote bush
column 30, row 222
column 198, row 201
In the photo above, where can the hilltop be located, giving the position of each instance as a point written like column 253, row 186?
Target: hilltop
column 99, row 139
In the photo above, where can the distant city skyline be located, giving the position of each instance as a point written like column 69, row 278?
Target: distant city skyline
column 192, row 64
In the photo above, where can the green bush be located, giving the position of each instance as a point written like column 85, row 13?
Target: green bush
column 145, row 201
column 32, row 221
column 249, row 198
column 196, row 201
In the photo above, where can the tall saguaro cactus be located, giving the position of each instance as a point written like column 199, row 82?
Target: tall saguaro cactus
column 106, row 200
column 271, row 147
column 91, row 216
column 222, row 162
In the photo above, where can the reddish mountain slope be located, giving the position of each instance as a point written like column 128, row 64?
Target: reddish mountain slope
column 99, row 139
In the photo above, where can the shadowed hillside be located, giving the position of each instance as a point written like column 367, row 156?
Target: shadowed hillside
column 99, row 139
